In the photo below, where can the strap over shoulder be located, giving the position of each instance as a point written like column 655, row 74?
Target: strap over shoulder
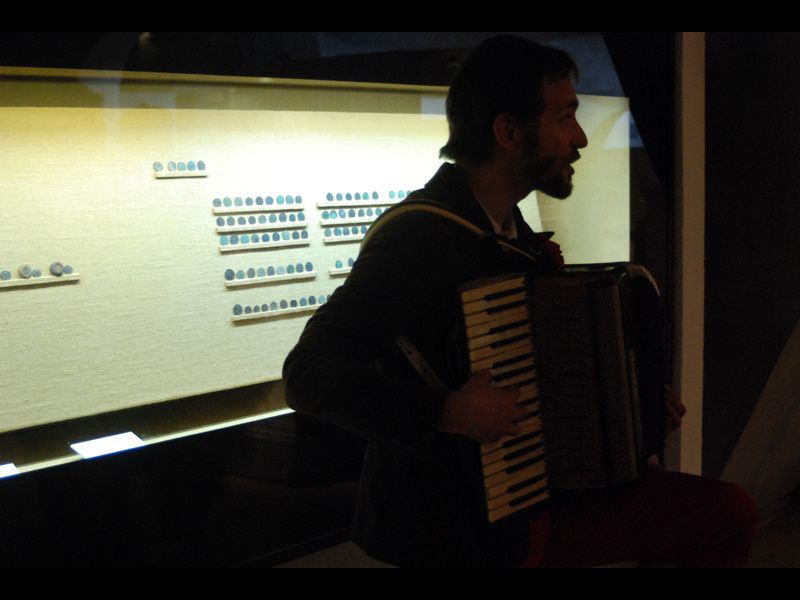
column 429, row 206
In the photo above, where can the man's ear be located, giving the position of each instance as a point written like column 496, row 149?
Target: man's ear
column 507, row 131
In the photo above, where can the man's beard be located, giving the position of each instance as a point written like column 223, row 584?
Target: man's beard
column 543, row 173
column 553, row 182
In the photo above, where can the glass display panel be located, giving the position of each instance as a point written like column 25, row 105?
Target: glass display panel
column 165, row 236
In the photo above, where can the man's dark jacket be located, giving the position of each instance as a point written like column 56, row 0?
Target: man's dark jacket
column 421, row 495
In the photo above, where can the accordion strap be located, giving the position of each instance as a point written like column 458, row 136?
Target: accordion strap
column 438, row 209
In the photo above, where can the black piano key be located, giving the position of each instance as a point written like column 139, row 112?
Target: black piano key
column 510, row 340
column 478, row 291
column 481, row 322
column 528, row 424
column 503, row 358
column 533, row 494
column 501, row 377
column 497, row 463
column 504, row 511
column 483, row 357
column 499, row 506
column 491, row 342
column 510, row 361
column 503, row 294
column 521, row 439
column 524, row 380
column 498, row 309
column 497, row 481
column 521, row 452
column 512, row 325
column 483, row 307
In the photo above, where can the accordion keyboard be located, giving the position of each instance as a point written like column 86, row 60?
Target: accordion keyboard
column 498, row 329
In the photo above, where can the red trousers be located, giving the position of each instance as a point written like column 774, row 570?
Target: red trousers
column 666, row 517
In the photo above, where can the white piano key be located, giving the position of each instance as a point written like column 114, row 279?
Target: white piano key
column 507, row 509
column 481, row 318
column 499, row 489
column 505, row 458
column 528, row 425
column 521, row 378
column 527, row 361
column 539, row 484
column 528, row 392
column 498, row 338
column 490, row 307
column 504, row 284
column 503, row 354
column 488, row 351
column 484, row 326
column 499, row 471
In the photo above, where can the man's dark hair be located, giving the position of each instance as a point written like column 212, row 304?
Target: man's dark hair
column 503, row 74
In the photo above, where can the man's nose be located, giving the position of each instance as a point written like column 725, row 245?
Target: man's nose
column 580, row 141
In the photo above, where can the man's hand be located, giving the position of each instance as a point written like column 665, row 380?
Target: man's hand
column 675, row 408
column 482, row 411
column 553, row 252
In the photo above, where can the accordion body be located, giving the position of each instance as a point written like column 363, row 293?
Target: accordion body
column 584, row 348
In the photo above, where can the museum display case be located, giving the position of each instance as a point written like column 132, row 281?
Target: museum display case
column 166, row 237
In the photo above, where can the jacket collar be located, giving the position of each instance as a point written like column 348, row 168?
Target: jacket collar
column 449, row 186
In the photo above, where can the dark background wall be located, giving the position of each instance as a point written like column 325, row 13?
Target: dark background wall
column 753, row 224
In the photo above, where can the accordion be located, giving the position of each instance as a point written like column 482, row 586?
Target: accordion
column 584, row 348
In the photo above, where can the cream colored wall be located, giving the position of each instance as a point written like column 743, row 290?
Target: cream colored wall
column 150, row 318
column 593, row 224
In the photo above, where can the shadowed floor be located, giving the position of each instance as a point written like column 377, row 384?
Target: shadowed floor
column 776, row 544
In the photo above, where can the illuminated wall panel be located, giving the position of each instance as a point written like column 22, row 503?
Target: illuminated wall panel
column 593, row 224
column 204, row 220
